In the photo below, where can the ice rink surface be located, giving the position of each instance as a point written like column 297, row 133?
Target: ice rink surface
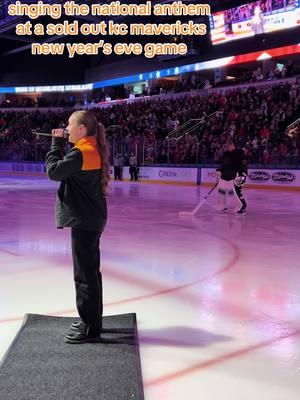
column 217, row 296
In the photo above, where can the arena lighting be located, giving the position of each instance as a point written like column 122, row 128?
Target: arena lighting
column 264, row 56
column 200, row 66
column 220, row 62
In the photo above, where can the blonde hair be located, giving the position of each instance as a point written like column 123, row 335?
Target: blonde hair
column 95, row 128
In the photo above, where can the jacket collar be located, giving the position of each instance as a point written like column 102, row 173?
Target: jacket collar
column 87, row 139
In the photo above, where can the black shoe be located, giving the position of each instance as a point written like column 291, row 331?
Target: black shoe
column 84, row 334
column 241, row 211
column 75, row 325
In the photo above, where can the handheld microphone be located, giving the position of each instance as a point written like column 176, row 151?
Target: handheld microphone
column 38, row 133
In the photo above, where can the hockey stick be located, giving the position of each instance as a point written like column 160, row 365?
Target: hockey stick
column 197, row 208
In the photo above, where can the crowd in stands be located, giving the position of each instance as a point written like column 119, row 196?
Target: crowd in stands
column 280, row 71
column 17, row 142
column 255, row 117
column 196, row 81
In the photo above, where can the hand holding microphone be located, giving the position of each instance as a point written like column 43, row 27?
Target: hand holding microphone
column 60, row 132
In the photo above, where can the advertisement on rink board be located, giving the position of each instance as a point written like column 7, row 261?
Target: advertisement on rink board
column 256, row 177
column 180, row 175
column 260, row 177
column 22, row 168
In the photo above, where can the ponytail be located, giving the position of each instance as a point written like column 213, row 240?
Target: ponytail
column 103, row 151
column 95, row 128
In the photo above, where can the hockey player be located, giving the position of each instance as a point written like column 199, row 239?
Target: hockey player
column 232, row 175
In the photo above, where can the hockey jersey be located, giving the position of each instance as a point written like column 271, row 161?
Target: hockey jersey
column 233, row 164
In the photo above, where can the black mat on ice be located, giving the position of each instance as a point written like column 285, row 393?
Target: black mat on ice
column 39, row 365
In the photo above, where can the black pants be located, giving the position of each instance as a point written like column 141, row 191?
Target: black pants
column 133, row 171
column 87, row 276
column 239, row 193
column 118, row 173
